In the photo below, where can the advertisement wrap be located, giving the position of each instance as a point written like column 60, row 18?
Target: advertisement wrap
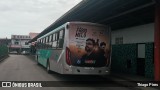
column 89, row 45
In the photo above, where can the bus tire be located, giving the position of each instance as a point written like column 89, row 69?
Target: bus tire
column 48, row 67
column 37, row 60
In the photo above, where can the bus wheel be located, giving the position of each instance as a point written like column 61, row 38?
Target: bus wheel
column 48, row 67
column 37, row 60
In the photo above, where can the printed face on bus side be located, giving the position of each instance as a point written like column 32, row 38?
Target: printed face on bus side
column 103, row 45
column 89, row 45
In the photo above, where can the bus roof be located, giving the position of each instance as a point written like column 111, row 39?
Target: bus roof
column 87, row 23
column 72, row 22
column 55, row 30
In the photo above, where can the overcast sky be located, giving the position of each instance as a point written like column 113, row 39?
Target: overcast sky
column 24, row 16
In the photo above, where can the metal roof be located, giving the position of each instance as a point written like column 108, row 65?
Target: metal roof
column 117, row 13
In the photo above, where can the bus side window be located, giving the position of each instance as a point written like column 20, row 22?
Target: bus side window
column 57, row 35
column 61, row 34
column 38, row 44
column 57, row 40
column 44, row 41
column 54, row 44
column 61, row 39
column 47, row 39
column 47, row 43
column 50, row 40
column 53, row 37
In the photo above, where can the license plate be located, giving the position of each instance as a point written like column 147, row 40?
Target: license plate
column 89, row 68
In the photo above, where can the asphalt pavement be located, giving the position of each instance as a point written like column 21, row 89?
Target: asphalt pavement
column 25, row 68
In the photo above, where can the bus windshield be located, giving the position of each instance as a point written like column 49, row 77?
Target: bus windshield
column 89, row 45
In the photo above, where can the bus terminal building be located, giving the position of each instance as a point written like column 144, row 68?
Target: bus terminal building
column 135, row 29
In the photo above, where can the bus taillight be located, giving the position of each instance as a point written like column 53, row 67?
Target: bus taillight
column 68, row 56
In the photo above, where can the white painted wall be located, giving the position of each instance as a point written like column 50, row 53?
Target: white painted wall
column 21, row 42
column 138, row 34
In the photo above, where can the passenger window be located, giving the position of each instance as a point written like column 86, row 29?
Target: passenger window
column 53, row 37
column 61, row 34
column 61, row 39
column 54, row 44
column 43, row 40
column 46, row 39
column 57, row 39
column 50, row 38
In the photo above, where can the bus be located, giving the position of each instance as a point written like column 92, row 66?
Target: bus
column 78, row 48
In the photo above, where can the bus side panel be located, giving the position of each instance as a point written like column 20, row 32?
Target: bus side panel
column 55, row 60
column 99, row 61
column 89, row 45
column 43, row 56
column 66, row 69
column 60, row 62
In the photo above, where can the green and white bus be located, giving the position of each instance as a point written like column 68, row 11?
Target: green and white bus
column 80, row 48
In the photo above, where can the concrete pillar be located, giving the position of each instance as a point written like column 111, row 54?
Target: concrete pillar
column 157, row 43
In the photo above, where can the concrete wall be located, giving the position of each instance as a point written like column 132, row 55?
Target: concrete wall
column 21, row 42
column 138, row 34
column 128, row 50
